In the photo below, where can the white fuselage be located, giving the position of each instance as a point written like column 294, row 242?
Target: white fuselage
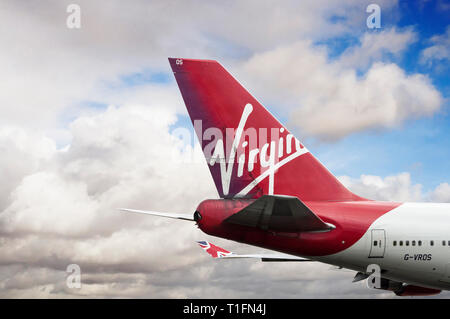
column 409, row 243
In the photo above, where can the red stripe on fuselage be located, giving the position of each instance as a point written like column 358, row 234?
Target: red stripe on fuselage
column 352, row 220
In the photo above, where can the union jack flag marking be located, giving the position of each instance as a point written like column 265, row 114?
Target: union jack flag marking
column 213, row 250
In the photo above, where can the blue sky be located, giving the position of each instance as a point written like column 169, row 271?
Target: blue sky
column 421, row 146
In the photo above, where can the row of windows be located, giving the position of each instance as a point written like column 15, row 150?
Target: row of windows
column 418, row 243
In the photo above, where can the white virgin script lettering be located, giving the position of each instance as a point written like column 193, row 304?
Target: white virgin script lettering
column 269, row 154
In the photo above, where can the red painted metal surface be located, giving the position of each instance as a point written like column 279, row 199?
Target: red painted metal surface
column 411, row 290
column 352, row 219
column 213, row 96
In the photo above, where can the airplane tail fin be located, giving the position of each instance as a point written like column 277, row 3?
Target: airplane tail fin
column 249, row 153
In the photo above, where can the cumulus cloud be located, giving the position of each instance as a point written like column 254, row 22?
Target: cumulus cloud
column 23, row 152
column 65, row 211
column 328, row 100
column 390, row 188
column 398, row 188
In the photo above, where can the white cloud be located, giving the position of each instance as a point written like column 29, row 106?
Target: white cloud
column 390, row 188
column 441, row 194
column 330, row 101
column 65, row 210
column 374, row 46
column 44, row 202
column 439, row 51
column 23, row 152
column 122, row 152
column 398, row 188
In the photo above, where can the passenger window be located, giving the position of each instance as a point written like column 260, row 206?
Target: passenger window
column 420, row 243
column 448, row 242
column 375, row 243
column 407, row 243
column 413, row 242
column 395, row 243
column 401, row 242
column 443, row 243
column 432, row 243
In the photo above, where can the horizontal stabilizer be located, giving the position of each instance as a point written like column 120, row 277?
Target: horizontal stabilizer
column 279, row 213
column 168, row 215
column 218, row 252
